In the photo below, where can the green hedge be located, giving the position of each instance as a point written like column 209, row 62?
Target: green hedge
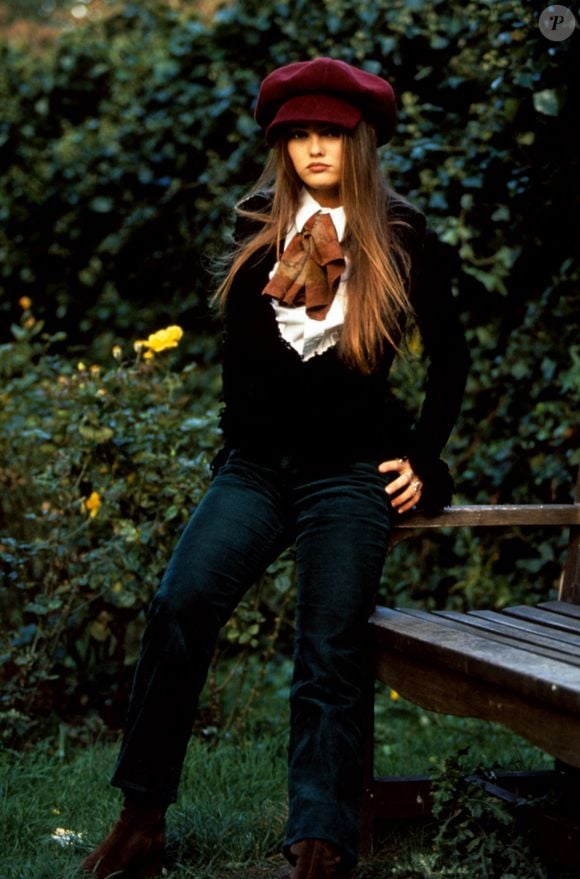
column 123, row 148
column 101, row 468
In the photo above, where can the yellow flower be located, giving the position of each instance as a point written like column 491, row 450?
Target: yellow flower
column 394, row 695
column 92, row 504
column 25, row 302
column 163, row 339
column 117, row 352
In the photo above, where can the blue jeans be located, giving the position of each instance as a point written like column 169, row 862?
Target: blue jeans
column 339, row 521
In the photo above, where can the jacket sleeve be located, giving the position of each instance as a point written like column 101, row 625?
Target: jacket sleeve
column 448, row 364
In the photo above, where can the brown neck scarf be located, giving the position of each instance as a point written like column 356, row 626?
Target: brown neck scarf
column 310, row 268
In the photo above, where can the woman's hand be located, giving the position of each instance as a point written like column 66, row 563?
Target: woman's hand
column 405, row 489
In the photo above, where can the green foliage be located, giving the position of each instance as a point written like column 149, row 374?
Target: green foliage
column 101, row 469
column 139, row 134
column 476, row 834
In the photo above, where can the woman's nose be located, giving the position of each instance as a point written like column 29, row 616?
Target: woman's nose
column 316, row 148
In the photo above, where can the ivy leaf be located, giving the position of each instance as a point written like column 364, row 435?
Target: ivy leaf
column 546, row 102
column 96, row 433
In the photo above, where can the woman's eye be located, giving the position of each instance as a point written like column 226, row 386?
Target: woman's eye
column 304, row 134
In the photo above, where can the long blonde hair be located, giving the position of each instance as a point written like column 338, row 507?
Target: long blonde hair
column 378, row 301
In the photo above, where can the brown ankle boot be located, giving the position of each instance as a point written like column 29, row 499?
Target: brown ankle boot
column 316, row 859
column 135, row 844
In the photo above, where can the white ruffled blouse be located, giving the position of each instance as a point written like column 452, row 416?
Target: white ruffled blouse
column 307, row 336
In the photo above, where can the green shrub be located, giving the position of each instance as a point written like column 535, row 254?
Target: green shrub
column 125, row 145
column 101, row 469
column 477, row 836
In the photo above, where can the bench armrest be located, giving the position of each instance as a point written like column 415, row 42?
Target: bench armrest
column 489, row 516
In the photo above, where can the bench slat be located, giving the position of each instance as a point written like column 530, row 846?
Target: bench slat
column 534, row 629
column 554, row 682
column 545, row 618
column 519, row 638
column 570, row 610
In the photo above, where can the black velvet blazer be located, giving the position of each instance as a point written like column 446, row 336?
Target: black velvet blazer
column 324, row 413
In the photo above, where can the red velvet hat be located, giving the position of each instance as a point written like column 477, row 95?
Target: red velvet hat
column 328, row 91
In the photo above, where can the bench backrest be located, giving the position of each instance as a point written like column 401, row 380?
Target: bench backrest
column 506, row 515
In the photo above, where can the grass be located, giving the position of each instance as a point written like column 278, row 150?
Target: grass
column 230, row 816
column 229, row 821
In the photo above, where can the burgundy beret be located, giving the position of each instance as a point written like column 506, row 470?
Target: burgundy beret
column 328, row 91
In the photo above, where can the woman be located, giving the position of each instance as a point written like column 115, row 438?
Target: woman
column 329, row 266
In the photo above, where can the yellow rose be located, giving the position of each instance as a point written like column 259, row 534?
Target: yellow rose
column 163, row 339
column 92, row 504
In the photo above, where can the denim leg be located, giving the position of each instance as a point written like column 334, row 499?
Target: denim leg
column 235, row 533
column 343, row 525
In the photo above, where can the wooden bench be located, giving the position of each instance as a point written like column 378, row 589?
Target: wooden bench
column 519, row 667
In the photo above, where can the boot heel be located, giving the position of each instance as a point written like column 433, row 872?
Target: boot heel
column 151, row 866
column 148, row 868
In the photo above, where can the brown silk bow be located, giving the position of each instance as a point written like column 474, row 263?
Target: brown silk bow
column 310, row 268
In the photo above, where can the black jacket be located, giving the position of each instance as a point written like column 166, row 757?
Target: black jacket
column 323, row 412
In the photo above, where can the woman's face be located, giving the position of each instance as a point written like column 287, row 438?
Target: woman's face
column 316, row 154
